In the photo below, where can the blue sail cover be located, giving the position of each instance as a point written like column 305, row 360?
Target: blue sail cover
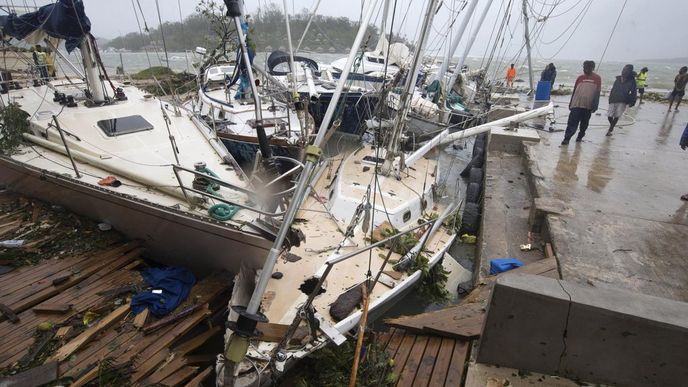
column 64, row 19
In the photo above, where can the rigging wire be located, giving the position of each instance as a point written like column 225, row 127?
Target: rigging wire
column 612, row 34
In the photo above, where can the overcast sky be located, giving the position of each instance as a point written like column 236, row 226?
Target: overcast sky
column 656, row 29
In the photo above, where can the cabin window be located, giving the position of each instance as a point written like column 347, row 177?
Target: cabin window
column 407, row 216
column 373, row 160
column 124, row 125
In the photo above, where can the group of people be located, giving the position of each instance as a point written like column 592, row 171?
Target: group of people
column 624, row 93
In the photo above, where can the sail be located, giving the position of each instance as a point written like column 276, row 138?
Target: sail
column 64, row 19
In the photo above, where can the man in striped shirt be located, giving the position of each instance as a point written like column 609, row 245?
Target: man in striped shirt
column 584, row 102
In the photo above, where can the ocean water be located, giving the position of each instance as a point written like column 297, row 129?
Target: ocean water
column 661, row 75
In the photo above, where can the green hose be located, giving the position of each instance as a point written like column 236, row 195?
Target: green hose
column 222, row 211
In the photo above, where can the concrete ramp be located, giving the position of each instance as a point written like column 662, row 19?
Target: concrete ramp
column 586, row 332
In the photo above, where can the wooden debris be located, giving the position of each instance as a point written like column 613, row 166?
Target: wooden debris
column 89, row 333
column 169, row 319
column 36, row 376
column 197, row 341
column 141, row 318
column 61, row 279
column 275, row 332
column 63, row 332
column 198, row 379
column 394, row 274
column 116, row 292
column 9, row 313
column 52, row 308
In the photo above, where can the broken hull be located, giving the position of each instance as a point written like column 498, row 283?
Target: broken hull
column 173, row 236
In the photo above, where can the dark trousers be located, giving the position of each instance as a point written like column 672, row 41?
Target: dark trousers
column 577, row 116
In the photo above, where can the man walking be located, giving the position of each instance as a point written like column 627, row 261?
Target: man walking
column 679, row 88
column 510, row 75
column 623, row 95
column 584, row 102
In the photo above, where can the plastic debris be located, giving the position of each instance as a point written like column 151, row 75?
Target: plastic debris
column 500, row 265
column 527, row 247
column 89, row 317
column 12, row 243
column 110, row 181
column 104, row 227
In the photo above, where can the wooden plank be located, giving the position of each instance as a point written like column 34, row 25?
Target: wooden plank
column 465, row 329
column 395, row 342
column 86, row 378
column 411, row 367
column 537, row 267
column 170, row 319
column 180, row 377
column 52, row 308
column 196, row 341
column 198, row 379
column 442, row 362
column 9, row 313
column 402, row 354
column 166, row 369
column 418, row 322
column 87, row 335
column 36, row 376
column 62, row 332
column 427, row 363
column 457, row 365
column 141, row 318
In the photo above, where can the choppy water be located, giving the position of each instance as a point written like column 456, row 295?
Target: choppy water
column 661, row 75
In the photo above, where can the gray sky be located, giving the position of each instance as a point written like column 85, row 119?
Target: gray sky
column 646, row 29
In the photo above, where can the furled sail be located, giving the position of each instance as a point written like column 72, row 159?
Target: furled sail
column 65, row 19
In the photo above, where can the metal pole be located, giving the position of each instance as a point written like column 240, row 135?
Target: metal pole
column 263, row 143
column 527, row 36
column 411, row 78
column 456, row 41
column 312, row 158
column 291, row 49
column 64, row 58
column 69, row 154
column 162, row 33
column 310, row 19
column 469, row 45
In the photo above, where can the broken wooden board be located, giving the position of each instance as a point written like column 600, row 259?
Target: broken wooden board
column 36, row 376
column 52, row 308
column 87, row 335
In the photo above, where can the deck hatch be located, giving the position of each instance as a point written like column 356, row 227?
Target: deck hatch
column 124, row 125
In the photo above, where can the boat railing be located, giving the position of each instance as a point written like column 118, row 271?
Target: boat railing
column 248, row 192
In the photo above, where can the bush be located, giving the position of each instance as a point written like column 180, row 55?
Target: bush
column 13, row 124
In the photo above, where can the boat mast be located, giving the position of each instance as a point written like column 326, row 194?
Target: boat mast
column 527, row 36
column 471, row 40
column 406, row 97
column 292, row 67
column 95, row 85
column 249, row 317
column 310, row 19
column 455, row 43
column 383, row 30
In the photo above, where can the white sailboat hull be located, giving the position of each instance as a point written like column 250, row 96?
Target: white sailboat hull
column 174, row 237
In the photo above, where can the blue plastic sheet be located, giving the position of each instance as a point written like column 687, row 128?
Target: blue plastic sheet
column 175, row 284
column 500, row 265
column 64, row 19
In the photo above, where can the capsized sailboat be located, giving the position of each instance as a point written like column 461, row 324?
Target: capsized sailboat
column 118, row 155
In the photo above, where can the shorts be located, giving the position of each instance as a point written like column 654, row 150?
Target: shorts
column 616, row 109
column 641, row 90
column 676, row 93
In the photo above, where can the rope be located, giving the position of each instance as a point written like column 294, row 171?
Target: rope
column 223, row 211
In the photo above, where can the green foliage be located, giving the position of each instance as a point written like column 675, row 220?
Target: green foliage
column 267, row 28
column 13, row 124
column 331, row 367
column 453, row 222
column 155, row 71
column 433, row 281
column 401, row 245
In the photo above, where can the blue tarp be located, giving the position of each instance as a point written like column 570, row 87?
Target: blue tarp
column 175, row 283
column 500, row 265
column 64, row 19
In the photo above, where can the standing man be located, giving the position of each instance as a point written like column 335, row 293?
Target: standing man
column 584, row 102
column 641, row 82
column 679, row 87
column 623, row 95
column 510, row 75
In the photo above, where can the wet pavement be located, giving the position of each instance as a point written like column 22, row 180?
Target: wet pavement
column 625, row 224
